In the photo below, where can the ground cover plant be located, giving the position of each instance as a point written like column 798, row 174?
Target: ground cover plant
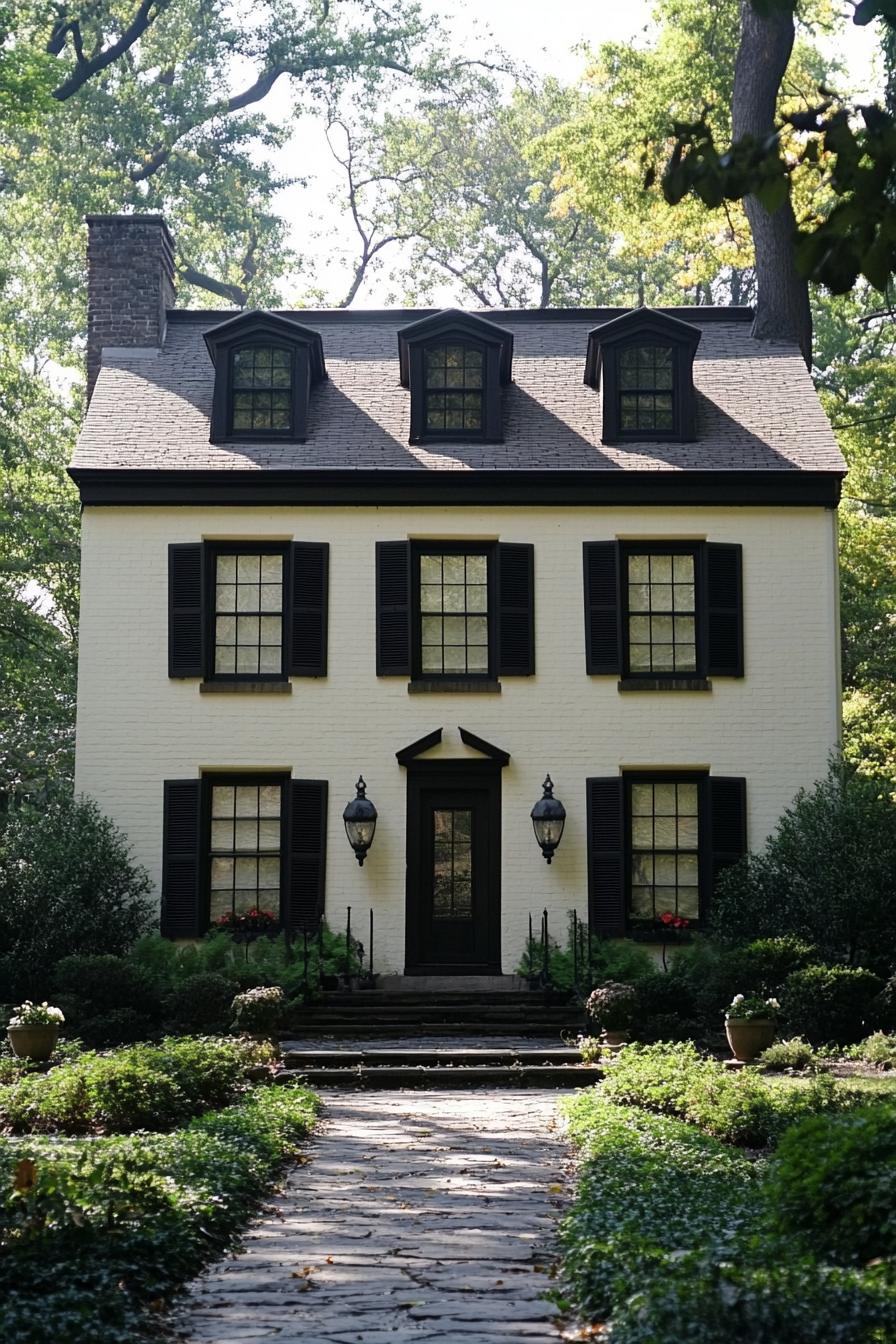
column 676, row 1235
column 139, row 1087
column 739, row 1107
column 96, row 1233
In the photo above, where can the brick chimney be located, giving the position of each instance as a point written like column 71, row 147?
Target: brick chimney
column 130, row 284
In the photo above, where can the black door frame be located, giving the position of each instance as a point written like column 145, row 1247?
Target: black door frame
column 453, row 774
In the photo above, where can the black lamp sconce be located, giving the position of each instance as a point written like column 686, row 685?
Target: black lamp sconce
column 548, row 819
column 360, row 821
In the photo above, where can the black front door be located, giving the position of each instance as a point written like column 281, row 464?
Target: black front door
column 453, row 898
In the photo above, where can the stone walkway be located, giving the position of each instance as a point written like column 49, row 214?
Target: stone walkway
column 419, row 1218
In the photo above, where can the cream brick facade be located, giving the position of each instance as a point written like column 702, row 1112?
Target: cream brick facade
column 137, row 728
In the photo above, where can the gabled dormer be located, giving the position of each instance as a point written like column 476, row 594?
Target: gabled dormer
column 265, row 366
column 644, row 362
column 455, row 365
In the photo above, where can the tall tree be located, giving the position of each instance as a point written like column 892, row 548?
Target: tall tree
column 782, row 294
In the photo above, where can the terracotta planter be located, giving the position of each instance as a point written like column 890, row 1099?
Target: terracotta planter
column 37, row 1042
column 749, row 1039
column 616, row 1038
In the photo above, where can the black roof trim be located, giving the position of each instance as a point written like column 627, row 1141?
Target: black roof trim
column 417, row 748
column 479, row 744
column 420, row 487
column 277, row 324
column 348, row 316
column 445, row 323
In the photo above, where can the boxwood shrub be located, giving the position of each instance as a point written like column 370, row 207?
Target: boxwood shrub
column 95, row 1233
column 830, row 1003
column 833, row 1184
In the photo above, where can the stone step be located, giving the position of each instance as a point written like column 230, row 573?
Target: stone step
column 371, row 1031
column 395, row 1077
column 435, row 1013
column 408, row 998
column 433, row 1057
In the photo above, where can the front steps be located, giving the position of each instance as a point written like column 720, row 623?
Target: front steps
column 453, row 1067
column 390, row 1014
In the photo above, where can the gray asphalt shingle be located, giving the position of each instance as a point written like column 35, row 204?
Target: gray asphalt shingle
column 756, row 406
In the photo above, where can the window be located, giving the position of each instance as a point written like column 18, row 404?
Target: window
column 453, row 389
column 660, row 591
column 265, row 368
column 261, row 389
column 646, row 383
column 664, row 848
column 244, row 847
column 454, row 365
column 248, row 613
column 453, row 613
column 643, row 364
column 452, row 863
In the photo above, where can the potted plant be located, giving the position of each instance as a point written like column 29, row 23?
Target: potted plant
column 34, row 1030
column 750, row 1025
column 611, row 1008
column 258, row 1012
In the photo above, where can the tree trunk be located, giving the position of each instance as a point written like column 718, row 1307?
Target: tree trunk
column 782, row 302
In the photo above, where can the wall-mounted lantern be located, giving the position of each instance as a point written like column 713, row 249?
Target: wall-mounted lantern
column 548, row 819
column 360, row 821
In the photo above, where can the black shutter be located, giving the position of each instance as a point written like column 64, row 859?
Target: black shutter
column 185, row 610
column 606, row 855
column 724, row 611
column 516, row 610
column 727, row 825
column 309, row 573
column 393, row 609
column 181, row 864
column 307, row 831
column 603, row 631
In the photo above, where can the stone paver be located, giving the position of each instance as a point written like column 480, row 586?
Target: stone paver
column 399, row 1042
column 419, row 1218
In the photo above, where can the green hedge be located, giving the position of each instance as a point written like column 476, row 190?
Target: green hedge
column 735, row 1106
column 139, row 1087
column 100, row 1231
column 668, row 1240
column 833, row 1184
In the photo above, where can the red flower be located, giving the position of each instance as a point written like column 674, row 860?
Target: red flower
column 667, row 917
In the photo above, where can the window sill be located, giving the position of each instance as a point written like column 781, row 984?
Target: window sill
column 245, row 688
column 665, row 684
column 424, row 686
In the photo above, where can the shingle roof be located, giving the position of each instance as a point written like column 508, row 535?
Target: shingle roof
column 756, row 406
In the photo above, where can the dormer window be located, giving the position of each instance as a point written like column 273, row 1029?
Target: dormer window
column 646, row 389
column 265, row 367
column 454, row 385
column 642, row 363
column 261, row 389
column 455, row 365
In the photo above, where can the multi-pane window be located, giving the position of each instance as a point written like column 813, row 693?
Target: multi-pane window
column 454, row 614
column 453, row 389
column 261, row 388
column 244, row 848
column 452, row 896
column 662, row 628
column 664, row 848
column 248, row 620
column 646, row 380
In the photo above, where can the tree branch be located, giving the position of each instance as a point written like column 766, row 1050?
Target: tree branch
column 86, row 67
column 234, row 293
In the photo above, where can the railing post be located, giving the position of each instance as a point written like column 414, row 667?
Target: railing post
column 320, row 954
column 575, row 950
column 348, row 942
column 305, row 962
column 370, row 947
column 545, row 963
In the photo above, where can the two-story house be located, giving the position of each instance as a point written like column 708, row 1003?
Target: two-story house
column 452, row 552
